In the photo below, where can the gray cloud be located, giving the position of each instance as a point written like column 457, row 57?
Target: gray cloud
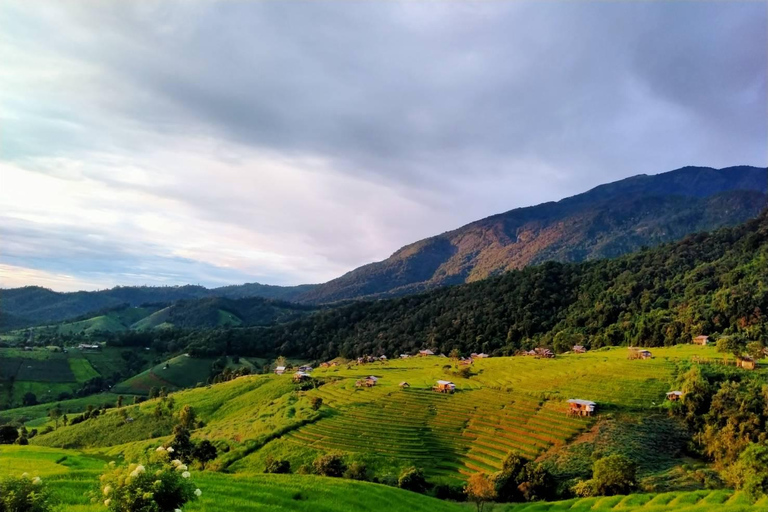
column 466, row 109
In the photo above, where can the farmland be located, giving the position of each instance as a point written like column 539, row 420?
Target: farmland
column 52, row 374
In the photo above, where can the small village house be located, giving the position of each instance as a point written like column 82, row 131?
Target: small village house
column 306, row 369
column 444, row 386
column 639, row 353
column 701, row 340
column 370, row 381
column 541, row 352
column 404, row 385
column 674, row 396
column 479, row 356
column 404, row 356
column 578, row 407
column 325, row 365
column 280, row 370
column 579, row 349
column 425, row 353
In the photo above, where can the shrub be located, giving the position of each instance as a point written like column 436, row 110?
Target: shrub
column 24, row 494
column 479, row 490
column 8, row 434
column 276, row 466
column 750, row 472
column 508, row 480
column 357, row 471
column 585, row 488
column 182, row 444
column 161, row 486
column 412, row 479
column 449, row 492
column 331, row 464
column 204, row 452
column 316, row 402
column 614, row 474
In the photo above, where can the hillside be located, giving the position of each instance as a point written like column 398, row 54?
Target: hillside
column 607, row 221
column 707, row 283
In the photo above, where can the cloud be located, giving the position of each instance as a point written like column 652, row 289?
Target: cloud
column 291, row 142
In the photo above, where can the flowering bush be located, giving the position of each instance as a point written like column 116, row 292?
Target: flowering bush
column 162, row 485
column 24, row 494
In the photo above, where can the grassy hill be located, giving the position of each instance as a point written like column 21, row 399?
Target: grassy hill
column 699, row 501
column 178, row 373
column 508, row 404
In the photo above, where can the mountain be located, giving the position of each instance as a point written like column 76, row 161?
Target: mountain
column 606, row 221
column 706, row 283
column 33, row 305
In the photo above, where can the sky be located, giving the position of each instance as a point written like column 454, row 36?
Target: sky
column 215, row 143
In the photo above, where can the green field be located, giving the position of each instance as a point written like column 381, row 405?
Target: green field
column 698, row 501
column 49, row 373
column 178, row 373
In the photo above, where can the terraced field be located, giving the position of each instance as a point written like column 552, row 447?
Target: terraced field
column 696, row 501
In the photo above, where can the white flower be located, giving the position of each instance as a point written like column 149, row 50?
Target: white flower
column 170, row 449
column 36, row 481
column 186, row 474
column 181, row 467
column 198, row 492
column 176, row 462
column 177, row 510
column 160, row 449
column 107, row 502
column 107, row 490
column 25, row 475
column 140, row 468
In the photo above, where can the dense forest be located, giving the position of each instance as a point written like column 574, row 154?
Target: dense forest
column 707, row 283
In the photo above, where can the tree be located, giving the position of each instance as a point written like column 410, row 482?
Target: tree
column 281, row 361
column 735, row 344
column 152, row 393
column 455, row 354
column 8, row 434
column 331, row 464
column 750, row 472
column 412, row 479
column 756, row 350
column 55, row 415
column 357, row 471
column 119, row 401
column 182, row 444
column 204, row 452
column 508, row 480
column 187, row 417
column 29, row 399
column 276, row 466
column 614, row 474
column 536, row 482
column 480, row 490
column 316, row 402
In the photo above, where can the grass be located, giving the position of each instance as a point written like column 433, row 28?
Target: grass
column 74, row 405
column 697, row 501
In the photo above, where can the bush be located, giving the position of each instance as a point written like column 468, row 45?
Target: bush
column 615, row 474
column 331, row 464
column 276, row 466
column 585, row 489
column 8, row 434
column 449, row 492
column 24, row 494
column 161, row 486
column 412, row 479
column 316, row 402
column 357, row 471
column 204, row 452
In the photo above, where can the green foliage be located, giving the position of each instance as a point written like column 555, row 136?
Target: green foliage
column 750, row 472
column 331, row 464
column 8, row 434
column 162, row 486
column 204, row 452
column 412, row 479
column 357, row 471
column 24, row 494
column 276, row 466
column 614, row 474
column 508, row 480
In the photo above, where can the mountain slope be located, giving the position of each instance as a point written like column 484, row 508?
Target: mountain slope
column 706, row 283
column 606, row 221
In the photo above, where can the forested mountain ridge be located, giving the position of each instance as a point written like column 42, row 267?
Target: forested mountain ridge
column 607, row 221
column 706, row 283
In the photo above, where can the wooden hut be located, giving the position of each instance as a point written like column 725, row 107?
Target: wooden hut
column 701, row 340
column 639, row 353
column 544, row 353
column 444, row 386
column 426, row 353
column 404, row 385
column 578, row 407
column 674, row 396
column 301, row 376
column 579, row 349
column 747, row 362
column 370, row 381
column 280, row 370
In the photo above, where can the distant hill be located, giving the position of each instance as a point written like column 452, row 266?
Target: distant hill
column 607, row 221
column 33, row 305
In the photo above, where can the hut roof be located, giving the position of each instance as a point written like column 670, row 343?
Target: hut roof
column 676, row 393
column 445, row 382
column 581, row 402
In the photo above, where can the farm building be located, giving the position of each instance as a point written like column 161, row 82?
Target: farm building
column 674, row 396
column 280, row 370
column 325, row 365
column 579, row 349
column 637, row 353
column 479, row 356
column 747, row 363
column 701, row 340
column 544, row 352
column 466, row 362
column 404, row 385
column 88, row 346
column 305, row 369
column 425, row 353
column 371, row 381
column 444, row 386
column 383, row 358
column 404, row 356
column 301, row 376
column 580, row 407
